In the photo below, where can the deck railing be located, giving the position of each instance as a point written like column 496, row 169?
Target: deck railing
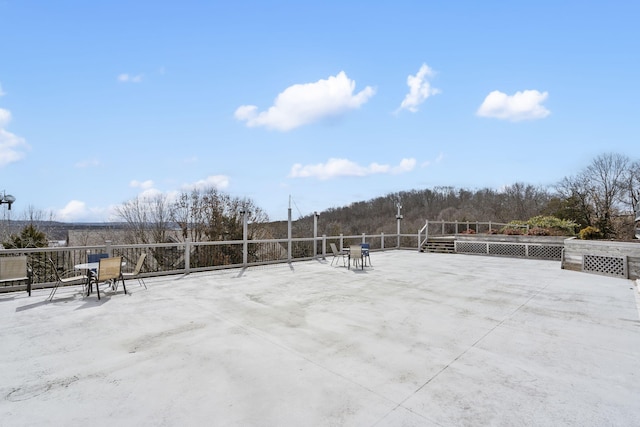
column 451, row 228
column 186, row 257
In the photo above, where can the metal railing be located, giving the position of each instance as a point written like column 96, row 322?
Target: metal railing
column 450, row 228
column 186, row 257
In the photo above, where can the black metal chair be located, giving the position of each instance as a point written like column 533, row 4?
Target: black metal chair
column 65, row 279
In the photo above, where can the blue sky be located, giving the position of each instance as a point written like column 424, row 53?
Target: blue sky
column 328, row 102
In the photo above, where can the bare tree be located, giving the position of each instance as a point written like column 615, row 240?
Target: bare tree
column 633, row 186
column 147, row 218
column 606, row 175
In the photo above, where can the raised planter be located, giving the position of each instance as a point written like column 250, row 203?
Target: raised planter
column 540, row 247
column 607, row 257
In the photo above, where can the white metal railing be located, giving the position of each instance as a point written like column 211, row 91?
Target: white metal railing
column 450, row 228
column 185, row 257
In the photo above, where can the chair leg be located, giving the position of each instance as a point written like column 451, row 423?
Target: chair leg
column 53, row 292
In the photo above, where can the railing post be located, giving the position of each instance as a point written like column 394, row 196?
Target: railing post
column 382, row 240
column 315, row 234
column 108, row 249
column 364, row 238
column 289, row 242
column 341, row 241
column 187, row 255
column 324, row 246
column 245, row 237
column 398, row 220
column 443, row 227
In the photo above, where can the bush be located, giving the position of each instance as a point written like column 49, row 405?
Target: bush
column 554, row 226
column 589, row 233
column 539, row 231
column 513, row 231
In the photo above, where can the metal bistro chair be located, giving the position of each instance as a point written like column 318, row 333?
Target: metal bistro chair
column 96, row 258
column 337, row 254
column 135, row 273
column 355, row 253
column 365, row 253
column 110, row 270
column 63, row 279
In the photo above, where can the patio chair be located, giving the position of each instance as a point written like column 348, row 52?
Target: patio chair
column 355, row 253
column 65, row 278
column 96, row 258
column 110, row 270
column 365, row 253
column 337, row 254
column 135, row 273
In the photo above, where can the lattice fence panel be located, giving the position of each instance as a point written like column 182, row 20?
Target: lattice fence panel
column 607, row 265
column 507, row 250
column 545, row 252
column 471, row 247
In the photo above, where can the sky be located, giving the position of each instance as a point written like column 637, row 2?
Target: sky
column 308, row 105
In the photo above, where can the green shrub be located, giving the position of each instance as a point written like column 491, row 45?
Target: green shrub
column 553, row 225
column 589, row 233
column 538, row 231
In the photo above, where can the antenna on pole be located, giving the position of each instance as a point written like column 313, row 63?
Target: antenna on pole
column 7, row 198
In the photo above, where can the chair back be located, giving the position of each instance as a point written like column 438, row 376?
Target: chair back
column 110, row 268
column 365, row 248
column 334, row 249
column 96, row 258
column 139, row 263
column 355, row 251
column 55, row 270
column 13, row 268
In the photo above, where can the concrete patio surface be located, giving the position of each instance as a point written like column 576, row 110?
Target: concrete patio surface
column 416, row 340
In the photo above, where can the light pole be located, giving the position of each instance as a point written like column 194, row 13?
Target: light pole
column 245, row 236
column 316, row 215
column 8, row 199
column 398, row 218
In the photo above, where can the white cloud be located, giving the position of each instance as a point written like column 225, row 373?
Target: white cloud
column 217, row 181
column 302, row 104
column 149, row 193
column 525, row 105
column 419, row 89
column 75, row 210
column 5, row 117
column 12, row 147
column 127, row 78
column 145, row 185
column 343, row 167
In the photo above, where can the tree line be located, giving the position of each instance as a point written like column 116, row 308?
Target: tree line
column 604, row 196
